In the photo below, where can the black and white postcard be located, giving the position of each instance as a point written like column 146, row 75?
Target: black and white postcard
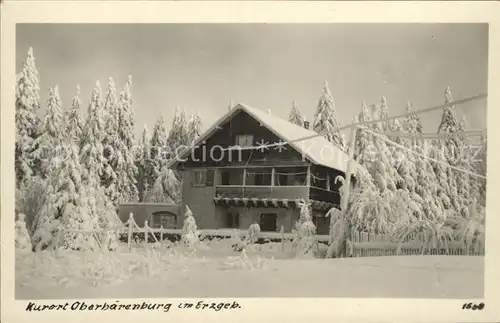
column 183, row 161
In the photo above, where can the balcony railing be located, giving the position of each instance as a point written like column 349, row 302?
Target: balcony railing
column 278, row 192
column 320, row 194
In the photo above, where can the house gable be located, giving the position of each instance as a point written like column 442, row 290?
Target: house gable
column 311, row 147
column 213, row 150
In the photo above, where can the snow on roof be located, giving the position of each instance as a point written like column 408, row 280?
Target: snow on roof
column 317, row 149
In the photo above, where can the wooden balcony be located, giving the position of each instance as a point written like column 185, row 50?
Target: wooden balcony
column 262, row 192
column 320, row 194
column 277, row 195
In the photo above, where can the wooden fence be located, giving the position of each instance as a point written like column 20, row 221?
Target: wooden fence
column 360, row 244
column 363, row 244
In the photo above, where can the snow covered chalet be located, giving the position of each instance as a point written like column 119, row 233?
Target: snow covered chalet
column 233, row 178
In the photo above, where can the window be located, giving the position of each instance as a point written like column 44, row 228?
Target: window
column 232, row 220
column 199, row 177
column 244, row 140
column 225, row 177
column 268, row 222
column 231, row 176
column 259, row 176
column 166, row 219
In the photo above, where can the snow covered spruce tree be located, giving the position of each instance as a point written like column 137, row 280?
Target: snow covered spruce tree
column 189, row 236
column 438, row 153
column 160, row 150
column 79, row 216
column 166, row 188
column 178, row 134
column 481, row 168
column 384, row 190
column 364, row 151
column 406, row 161
column 295, row 116
column 467, row 185
column 63, row 180
column 419, row 170
column 306, row 245
column 402, row 160
column 27, row 120
column 325, row 118
column 93, row 136
column 382, row 170
column 121, row 171
column 69, row 205
column 111, row 142
column 193, row 128
column 93, row 163
column 126, row 131
column 30, row 198
column 384, row 115
column 145, row 166
column 51, row 132
column 448, row 150
column 412, row 123
column 22, row 237
column 74, row 121
column 449, row 124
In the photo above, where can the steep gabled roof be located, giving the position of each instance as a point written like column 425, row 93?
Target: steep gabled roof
column 316, row 149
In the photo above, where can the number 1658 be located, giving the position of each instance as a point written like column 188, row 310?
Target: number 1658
column 471, row 306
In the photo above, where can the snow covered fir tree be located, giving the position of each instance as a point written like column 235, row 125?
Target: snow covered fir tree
column 27, row 118
column 325, row 118
column 74, row 168
column 295, row 116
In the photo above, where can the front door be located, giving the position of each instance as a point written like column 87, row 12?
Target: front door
column 268, row 222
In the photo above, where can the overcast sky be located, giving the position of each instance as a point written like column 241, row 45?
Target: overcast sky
column 201, row 67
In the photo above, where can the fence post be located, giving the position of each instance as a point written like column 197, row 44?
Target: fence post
column 130, row 228
column 282, row 233
column 146, row 232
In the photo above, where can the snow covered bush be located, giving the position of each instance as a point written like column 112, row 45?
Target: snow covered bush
column 244, row 262
column 253, row 233
column 47, row 223
column 438, row 234
column 250, row 239
column 108, row 220
column 190, row 234
column 338, row 235
column 23, row 241
column 305, row 242
column 30, row 198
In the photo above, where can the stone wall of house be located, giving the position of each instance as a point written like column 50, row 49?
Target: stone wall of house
column 146, row 211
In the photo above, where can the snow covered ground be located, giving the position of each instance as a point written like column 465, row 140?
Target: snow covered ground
column 219, row 272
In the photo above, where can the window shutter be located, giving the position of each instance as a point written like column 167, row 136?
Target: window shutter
column 210, row 177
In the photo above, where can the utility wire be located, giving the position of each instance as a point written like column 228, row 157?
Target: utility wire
column 472, row 133
column 364, row 123
column 380, row 136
